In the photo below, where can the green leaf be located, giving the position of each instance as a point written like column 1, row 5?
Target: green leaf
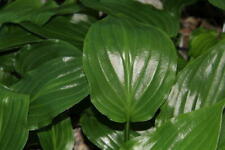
column 103, row 133
column 7, row 69
column 138, row 12
column 12, row 36
column 191, row 131
column 58, row 136
column 202, row 40
column 54, row 86
column 221, row 144
column 7, row 78
column 201, row 83
column 70, row 30
column 35, row 11
column 13, row 120
column 30, row 57
column 129, row 73
column 181, row 63
column 175, row 6
column 218, row 3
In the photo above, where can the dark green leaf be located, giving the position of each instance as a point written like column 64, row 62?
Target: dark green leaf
column 175, row 6
column 13, row 36
column 54, row 86
column 221, row 144
column 33, row 56
column 58, row 136
column 218, row 3
column 70, row 30
column 138, row 12
column 202, row 40
column 201, row 83
column 7, row 78
column 192, row 131
column 35, row 11
column 131, row 72
column 181, row 62
column 7, row 68
column 106, row 136
column 13, row 120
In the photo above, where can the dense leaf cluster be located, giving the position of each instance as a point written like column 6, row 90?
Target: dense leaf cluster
column 112, row 68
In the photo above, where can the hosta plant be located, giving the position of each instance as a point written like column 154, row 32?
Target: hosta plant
column 108, row 74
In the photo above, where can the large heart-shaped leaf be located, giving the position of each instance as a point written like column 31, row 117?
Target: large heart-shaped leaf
column 104, row 134
column 13, row 120
column 137, row 12
column 201, row 83
column 192, row 131
column 58, row 136
column 131, row 72
column 55, row 85
column 73, row 30
column 12, row 36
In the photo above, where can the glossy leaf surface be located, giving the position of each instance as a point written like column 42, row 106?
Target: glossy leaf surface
column 133, row 10
column 58, row 136
column 129, row 73
column 33, row 56
column 105, row 135
column 191, row 131
column 54, row 86
column 200, row 84
column 13, row 120
column 73, row 31
column 13, row 37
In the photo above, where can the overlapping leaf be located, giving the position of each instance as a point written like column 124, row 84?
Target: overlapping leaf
column 131, row 72
column 221, row 144
column 175, row 7
column 59, row 136
column 218, row 3
column 192, row 131
column 202, row 40
column 13, row 36
column 13, row 120
column 54, row 85
column 71, row 30
column 137, row 12
column 33, row 56
column 7, row 68
column 201, row 83
column 35, row 11
column 106, row 136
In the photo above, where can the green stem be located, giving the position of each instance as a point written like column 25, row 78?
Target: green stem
column 127, row 131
